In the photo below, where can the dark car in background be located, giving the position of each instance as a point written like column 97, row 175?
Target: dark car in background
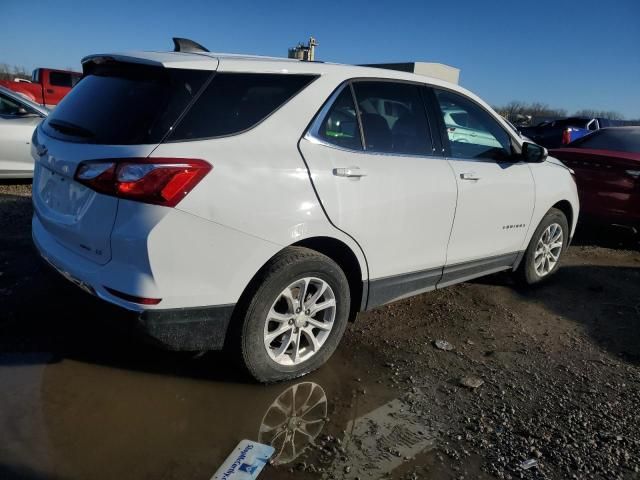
column 555, row 133
column 607, row 171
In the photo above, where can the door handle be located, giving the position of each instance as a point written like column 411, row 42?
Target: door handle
column 469, row 176
column 350, row 172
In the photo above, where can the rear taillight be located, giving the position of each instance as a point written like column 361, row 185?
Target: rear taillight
column 566, row 136
column 160, row 181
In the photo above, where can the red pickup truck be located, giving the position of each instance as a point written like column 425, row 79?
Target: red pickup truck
column 47, row 86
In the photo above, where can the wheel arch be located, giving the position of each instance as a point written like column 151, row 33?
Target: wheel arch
column 333, row 248
column 345, row 257
column 339, row 252
column 565, row 207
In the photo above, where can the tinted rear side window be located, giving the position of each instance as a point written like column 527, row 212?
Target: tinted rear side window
column 393, row 118
column 60, row 79
column 124, row 104
column 235, row 102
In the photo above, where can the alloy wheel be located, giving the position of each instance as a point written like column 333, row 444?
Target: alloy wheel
column 300, row 321
column 548, row 249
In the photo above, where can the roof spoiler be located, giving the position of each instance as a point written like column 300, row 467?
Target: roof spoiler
column 187, row 46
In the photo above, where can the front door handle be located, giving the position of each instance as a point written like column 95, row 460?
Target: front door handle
column 469, row 176
column 350, row 172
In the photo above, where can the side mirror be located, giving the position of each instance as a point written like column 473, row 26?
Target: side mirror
column 534, row 153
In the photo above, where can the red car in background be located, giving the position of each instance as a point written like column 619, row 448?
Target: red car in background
column 607, row 171
column 47, row 86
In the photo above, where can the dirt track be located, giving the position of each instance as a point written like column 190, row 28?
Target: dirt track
column 560, row 365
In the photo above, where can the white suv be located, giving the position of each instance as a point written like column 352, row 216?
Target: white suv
column 258, row 204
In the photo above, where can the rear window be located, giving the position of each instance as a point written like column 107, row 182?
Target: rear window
column 124, row 104
column 614, row 139
column 572, row 122
column 235, row 102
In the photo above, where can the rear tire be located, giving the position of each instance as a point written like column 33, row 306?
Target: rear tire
column 282, row 338
column 548, row 243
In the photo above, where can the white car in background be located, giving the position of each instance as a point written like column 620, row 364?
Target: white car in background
column 266, row 201
column 18, row 119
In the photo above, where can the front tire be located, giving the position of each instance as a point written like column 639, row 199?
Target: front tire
column 295, row 315
column 548, row 243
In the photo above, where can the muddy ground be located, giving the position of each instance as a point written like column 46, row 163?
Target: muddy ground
column 82, row 397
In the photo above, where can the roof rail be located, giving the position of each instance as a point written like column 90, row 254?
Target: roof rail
column 186, row 45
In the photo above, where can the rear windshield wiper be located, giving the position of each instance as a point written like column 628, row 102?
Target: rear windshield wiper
column 68, row 128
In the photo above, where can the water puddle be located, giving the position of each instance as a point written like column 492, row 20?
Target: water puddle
column 380, row 441
column 89, row 418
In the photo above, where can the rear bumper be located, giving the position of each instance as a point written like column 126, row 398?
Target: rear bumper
column 187, row 329
column 183, row 329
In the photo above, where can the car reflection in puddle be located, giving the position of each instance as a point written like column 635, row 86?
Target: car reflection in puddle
column 293, row 421
column 76, row 419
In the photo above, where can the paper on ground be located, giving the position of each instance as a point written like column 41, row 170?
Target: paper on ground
column 245, row 462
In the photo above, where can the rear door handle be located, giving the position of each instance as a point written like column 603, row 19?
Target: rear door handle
column 469, row 176
column 350, row 172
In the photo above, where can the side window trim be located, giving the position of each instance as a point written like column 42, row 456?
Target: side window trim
column 434, row 133
column 358, row 113
column 440, row 138
column 434, row 119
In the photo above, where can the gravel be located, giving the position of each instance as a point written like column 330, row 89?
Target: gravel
column 539, row 384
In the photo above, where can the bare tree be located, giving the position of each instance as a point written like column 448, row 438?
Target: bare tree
column 8, row 72
column 20, row 72
column 5, row 72
column 514, row 108
column 521, row 112
column 591, row 113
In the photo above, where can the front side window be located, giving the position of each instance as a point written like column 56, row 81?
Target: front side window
column 393, row 118
column 340, row 126
column 472, row 131
column 235, row 102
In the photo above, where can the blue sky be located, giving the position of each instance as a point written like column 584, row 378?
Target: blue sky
column 573, row 55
